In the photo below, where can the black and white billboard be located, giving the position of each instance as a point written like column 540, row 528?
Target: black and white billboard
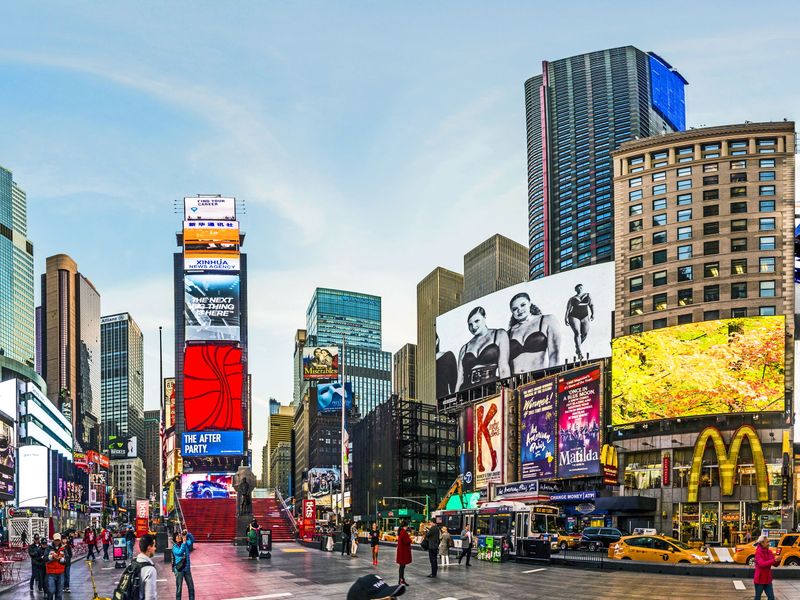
column 212, row 307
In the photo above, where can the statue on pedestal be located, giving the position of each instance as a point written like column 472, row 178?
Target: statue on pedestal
column 244, row 482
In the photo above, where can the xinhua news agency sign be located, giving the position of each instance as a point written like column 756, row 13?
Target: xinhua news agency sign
column 213, row 443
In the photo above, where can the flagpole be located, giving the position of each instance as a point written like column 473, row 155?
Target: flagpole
column 161, row 423
column 344, row 403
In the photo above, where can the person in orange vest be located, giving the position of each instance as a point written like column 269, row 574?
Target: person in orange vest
column 105, row 539
column 55, row 565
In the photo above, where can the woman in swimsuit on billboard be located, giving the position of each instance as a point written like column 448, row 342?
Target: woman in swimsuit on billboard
column 535, row 341
column 484, row 358
column 580, row 311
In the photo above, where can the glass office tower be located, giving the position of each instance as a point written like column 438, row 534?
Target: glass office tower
column 578, row 111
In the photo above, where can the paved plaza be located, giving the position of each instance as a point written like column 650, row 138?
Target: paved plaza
column 222, row 572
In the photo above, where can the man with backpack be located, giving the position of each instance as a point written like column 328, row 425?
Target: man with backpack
column 138, row 580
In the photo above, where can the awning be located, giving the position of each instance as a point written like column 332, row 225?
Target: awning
column 626, row 504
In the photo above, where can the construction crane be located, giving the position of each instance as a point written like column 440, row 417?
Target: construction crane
column 456, row 488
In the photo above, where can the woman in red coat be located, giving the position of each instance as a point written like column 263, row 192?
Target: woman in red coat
column 764, row 561
column 403, row 550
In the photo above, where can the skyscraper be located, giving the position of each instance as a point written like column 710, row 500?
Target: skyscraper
column 404, row 373
column 439, row 292
column 70, row 340
column 122, row 379
column 493, row 265
column 578, row 111
column 152, row 449
column 16, row 274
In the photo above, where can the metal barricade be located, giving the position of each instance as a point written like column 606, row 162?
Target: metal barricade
column 583, row 557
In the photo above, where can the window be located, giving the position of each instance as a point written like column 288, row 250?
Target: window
column 635, row 195
column 712, row 210
column 711, row 315
column 635, row 209
column 739, row 225
column 684, row 319
column 659, row 256
column 711, row 270
column 659, row 220
column 711, row 293
column 636, row 243
column 765, row 144
column 710, row 194
column 636, row 262
column 738, row 291
column 766, row 190
column 684, row 171
column 738, row 207
column 636, row 328
column 739, row 266
column 685, row 154
column 738, row 191
column 635, row 182
column 711, row 228
column 766, row 242
column 712, row 147
column 738, row 164
column 711, row 247
column 660, row 176
column 684, row 199
column 766, row 311
column 685, row 274
column 766, row 224
column 636, row 284
column 636, row 307
column 685, row 252
column 659, row 323
column 660, row 237
column 739, row 245
column 766, row 163
column 739, row 177
column 659, row 159
column 737, row 313
column 766, row 289
column 685, row 215
column 766, row 176
column 766, row 205
column 635, row 225
column 636, row 160
column 660, row 204
column 660, row 302
column 685, row 297
column 685, row 233
column 684, row 184
column 766, row 264
column 711, row 180
column 659, row 278
column 711, row 168
column 661, row 188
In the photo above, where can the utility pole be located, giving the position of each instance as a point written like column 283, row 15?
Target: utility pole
column 160, row 423
column 344, row 404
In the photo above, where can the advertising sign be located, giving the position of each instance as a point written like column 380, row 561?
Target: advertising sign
column 220, row 262
column 538, row 422
column 489, row 442
column 666, row 469
column 320, row 362
column 698, row 369
column 309, row 518
column 207, row 485
column 323, row 481
column 169, row 402
column 33, row 488
column 8, row 400
column 210, row 233
column 579, row 401
column 212, row 443
column 212, row 307
column 536, row 325
column 519, row 490
column 209, row 207
column 142, row 517
column 573, row 496
column 466, row 441
column 329, row 397
column 7, row 460
column 212, row 388
column 122, row 447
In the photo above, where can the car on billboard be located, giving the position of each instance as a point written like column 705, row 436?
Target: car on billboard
column 656, row 548
column 206, row 489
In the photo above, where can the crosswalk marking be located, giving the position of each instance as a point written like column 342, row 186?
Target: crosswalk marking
column 207, row 565
column 535, row 570
column 278, row 595
column 739, row 585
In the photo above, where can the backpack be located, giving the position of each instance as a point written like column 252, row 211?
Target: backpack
column 130, row 583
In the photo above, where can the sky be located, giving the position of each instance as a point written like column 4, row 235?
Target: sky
column 369, row 142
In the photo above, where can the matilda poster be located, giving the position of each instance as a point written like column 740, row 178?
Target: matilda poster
column 579, row 422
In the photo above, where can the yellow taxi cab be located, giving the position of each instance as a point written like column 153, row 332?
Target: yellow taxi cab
column 389, row 536
column 656, row 548
column 568, row 541
column 746, row 554
column 788, row 549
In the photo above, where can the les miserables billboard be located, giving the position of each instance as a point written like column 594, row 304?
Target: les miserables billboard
column 212, row 388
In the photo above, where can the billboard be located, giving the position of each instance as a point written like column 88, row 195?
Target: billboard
column 209, row 207
column 8, row 400
column 212, row 443
column 466, row 441
column 579, row 401
column 538, row 429
column 142, row 517
column 169, row 402
column 212, row 307
column 32, row 491
column 668, row 92
column 210, row 233
column 8, row 460
column 212, row 388
column 697, row 369
column 309, row 519
column 320, row 362
column 323, row 481
column 207, row 486
column 526, row 328
column 212, row 262
column 489, row 441
column 329, row 397
column 120, row 446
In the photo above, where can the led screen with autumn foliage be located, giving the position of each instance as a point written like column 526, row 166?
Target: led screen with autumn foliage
column 212, row 387
column 706, row 368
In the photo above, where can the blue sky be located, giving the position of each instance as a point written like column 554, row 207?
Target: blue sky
column 370, row 141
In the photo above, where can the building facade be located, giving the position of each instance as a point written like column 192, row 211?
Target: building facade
column 578, row 111
column 404, row 374
column 151, row 449
column 280, row 468
column 16, row 274
column 494, row 265
column 122, row 379
column 441, row 290
column 279, row 431
column 130, row 481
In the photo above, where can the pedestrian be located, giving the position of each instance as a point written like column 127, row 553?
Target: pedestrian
column 252, row 540
column 466, row 544
column 726, row 534
column 403, row 551
column 55, row 564
column 764, row 561
column 105, row 540
column 374, row 541
column 36, row 554
column 91, row 541
column 347, row 532
column 445, row 542
column 148, row 574
column 354, row 540
column 130, row 540
column 432, row 546
column 23, row 538
column 68, row 552
column 182, row 546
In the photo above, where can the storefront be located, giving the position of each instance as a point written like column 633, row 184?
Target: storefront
column 579, row 510
column 726, row 523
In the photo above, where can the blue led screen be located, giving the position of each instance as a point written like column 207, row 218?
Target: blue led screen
column 668, row 94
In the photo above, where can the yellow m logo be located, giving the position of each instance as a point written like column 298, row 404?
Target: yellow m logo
column 727, row 461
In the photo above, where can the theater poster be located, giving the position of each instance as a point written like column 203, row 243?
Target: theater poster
column 538, row 423
column 489, row 441
column 579, row 400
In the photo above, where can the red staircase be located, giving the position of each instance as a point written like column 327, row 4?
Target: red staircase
column 210, row 519
column 270, row 516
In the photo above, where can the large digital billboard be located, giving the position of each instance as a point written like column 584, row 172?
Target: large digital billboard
column 169, row 402
column 32, row 491
column 323, row 481
column 489, row 441
column 320, row 362
column 209, row 207
column 706, row 368
column 329, row 397
column 212, row 262
column 580, row 396
column 212, row 443
column 120, row 446
column 212, row 307
column 212, row 388
column 7, row 460
column 207, row 486
column 538, row 413
column 668, row 94
column 526, row 328
column 210, row 233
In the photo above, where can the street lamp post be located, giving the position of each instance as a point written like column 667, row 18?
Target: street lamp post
column 344, row 404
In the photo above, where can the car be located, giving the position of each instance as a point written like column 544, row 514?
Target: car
column 568, row 541
column 656, row 548
column 788, row 550
column 207, row 489
column 389, row 536
column 746, row 554
column 597, row 538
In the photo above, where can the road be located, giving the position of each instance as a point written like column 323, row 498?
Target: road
column 222, row 572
